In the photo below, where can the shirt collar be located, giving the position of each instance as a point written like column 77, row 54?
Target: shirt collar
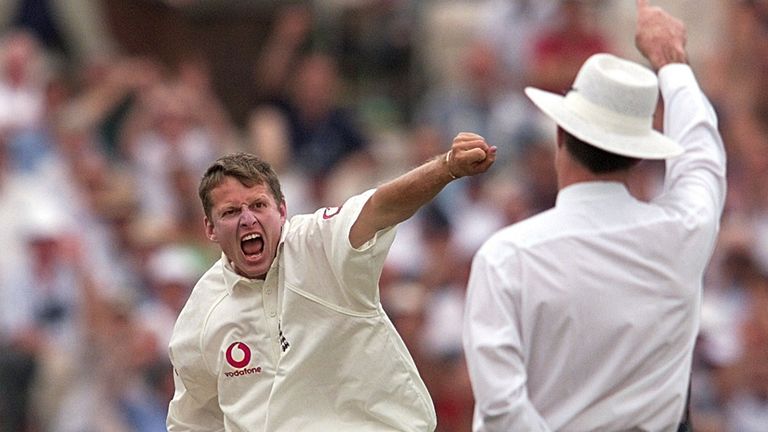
column 591, row 191
column 232, row 279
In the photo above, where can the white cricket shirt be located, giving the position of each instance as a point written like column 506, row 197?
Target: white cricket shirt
column 308, row 349
column 584, row 317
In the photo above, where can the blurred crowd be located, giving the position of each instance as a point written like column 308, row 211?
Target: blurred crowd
column 100, row 156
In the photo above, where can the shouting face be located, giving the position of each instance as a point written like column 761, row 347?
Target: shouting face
column 246, row 222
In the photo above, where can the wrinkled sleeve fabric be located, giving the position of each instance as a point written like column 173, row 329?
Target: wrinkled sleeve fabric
column 195, row 403
column 494, row 347
column 193, row 409
column 341, row 275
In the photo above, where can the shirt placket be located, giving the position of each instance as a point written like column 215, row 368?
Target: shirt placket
column 271, row 312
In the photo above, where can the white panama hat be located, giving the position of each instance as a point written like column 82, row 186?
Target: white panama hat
column 611, row 107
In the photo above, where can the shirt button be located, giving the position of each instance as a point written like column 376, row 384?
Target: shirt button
column 272, row 314
column 268, row 291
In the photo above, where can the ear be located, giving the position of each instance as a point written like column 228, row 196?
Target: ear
column 560, row 137
column 283, row 209
column 210, row 231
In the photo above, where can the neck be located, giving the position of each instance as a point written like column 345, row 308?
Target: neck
column 575, row 173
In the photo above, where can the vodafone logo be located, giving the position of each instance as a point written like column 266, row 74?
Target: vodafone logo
column 241, row 358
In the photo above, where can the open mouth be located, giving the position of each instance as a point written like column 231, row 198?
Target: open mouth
column 252, row 245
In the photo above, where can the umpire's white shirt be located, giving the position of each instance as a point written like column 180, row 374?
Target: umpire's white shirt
column 584, row 317
column 307, row 349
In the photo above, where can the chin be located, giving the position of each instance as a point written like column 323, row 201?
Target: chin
column 249, row 272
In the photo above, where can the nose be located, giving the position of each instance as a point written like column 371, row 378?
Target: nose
column 247, row 217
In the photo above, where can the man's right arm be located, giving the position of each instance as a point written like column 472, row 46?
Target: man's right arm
column 191, row 410
column 659, row 37
column 695, row 181
column 195, row 402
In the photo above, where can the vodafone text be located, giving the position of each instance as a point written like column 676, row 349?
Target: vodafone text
column 241, row 372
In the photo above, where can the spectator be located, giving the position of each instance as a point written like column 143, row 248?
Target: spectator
column 302, row 96
column 22, row 83
column 168, row 142
column 171, row 271
column 510, row 27
column 560, row 48
column 482, row 100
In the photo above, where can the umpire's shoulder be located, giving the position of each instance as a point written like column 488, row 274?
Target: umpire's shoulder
column 523, row 233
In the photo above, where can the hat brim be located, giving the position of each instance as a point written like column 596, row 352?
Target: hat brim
column 650, row 145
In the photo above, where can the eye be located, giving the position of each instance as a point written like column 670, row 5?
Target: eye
column 228, row 212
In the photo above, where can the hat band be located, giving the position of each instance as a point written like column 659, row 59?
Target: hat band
column 611, row 120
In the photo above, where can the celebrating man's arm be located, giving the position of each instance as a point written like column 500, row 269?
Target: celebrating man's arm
column 398, row 199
